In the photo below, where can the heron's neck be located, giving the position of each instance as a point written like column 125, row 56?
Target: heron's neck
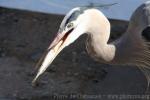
column 98, row 47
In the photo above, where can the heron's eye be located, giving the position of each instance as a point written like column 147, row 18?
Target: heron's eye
column 70, row 25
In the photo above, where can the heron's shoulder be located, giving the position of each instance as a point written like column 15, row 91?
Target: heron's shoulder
column 93, row 12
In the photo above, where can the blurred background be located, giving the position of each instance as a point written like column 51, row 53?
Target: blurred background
column 27, row 27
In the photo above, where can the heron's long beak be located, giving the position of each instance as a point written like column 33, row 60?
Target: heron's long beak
column 54, row 49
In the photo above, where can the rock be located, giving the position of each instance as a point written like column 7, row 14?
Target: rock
column 2, row 52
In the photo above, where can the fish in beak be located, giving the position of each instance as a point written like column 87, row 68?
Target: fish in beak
column 70, row 29
column 53, row 50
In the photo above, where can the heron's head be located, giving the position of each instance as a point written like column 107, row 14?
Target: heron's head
column 74, row 24
column 70, row 29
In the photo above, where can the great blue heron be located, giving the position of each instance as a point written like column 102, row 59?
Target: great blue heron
column 131, row 48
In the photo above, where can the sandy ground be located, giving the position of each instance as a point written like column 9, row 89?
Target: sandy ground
column 73, row 75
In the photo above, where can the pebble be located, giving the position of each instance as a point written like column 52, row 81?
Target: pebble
column 89, row 68
column 74, row 57
column 68, row 73
column 35, row 20
column 76, row 74
column 14, row 94
column 67, row 81
column 2, row 54
column 83, row 52
column 5, row 41
column 95, row 80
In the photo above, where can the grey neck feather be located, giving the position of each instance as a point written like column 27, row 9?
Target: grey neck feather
column 131, row 43
column 97, row 45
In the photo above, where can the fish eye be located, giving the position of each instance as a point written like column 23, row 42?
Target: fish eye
column 70, row 25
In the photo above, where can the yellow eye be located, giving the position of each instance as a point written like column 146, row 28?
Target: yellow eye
column 70, row 25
